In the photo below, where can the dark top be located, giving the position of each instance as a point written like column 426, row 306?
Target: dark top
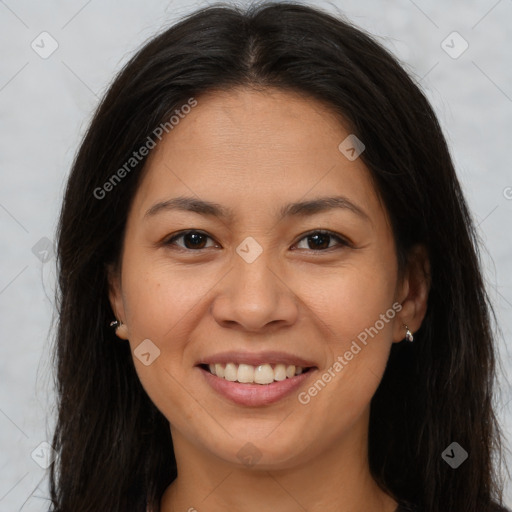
column 402, row 507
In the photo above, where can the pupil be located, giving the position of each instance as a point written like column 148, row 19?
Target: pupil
column 196, row 237
column 319, row 245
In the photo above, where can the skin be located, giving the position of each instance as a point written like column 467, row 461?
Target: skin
column 255, row 151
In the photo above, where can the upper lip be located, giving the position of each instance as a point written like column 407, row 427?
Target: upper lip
column 256, row 358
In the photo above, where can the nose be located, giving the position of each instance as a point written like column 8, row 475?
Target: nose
column 254, row 297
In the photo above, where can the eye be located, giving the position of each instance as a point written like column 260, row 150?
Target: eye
column 320, row 240
column 192, row 239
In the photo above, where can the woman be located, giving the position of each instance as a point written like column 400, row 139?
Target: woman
column 271, row 296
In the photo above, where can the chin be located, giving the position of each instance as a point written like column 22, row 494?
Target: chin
column 281, row 451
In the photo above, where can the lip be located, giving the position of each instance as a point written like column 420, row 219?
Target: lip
column 256, row 358
column 255, row 395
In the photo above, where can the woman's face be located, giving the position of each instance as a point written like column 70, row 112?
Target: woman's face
column 255, row 290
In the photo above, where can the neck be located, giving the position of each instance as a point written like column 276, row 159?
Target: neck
column 338, row 480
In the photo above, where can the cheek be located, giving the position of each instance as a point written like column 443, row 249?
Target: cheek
column 352, row 300
column 161, row 299
column 162, row 305
column 357, row 307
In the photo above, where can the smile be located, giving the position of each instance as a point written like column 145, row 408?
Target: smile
column 260, row 374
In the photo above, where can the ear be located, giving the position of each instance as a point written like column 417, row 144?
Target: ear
column 413, row 292
column 116, row 300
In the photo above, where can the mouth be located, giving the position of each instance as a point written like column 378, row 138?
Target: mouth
column 256, row 380
column 262, row 374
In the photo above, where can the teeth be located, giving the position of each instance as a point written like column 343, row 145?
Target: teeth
column 231, row 372
column 248, row 374
column 290, row 371
column 280, row 372
column 264, row 374
column 245, row 373
column 219, row 370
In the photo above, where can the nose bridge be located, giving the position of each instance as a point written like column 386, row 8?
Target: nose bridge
column 252, row 278
column 253, row 294
column 253, row 273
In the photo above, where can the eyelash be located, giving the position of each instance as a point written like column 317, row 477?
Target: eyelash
column 341, row 241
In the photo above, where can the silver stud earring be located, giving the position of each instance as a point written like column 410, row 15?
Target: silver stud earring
column 408, row 334
column 115, row 324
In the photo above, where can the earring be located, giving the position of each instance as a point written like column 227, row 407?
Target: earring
column 115, row 324
column 408, row 334
column 120, row 329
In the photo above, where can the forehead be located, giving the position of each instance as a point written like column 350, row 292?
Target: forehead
column 256, row 147
column 273, row 121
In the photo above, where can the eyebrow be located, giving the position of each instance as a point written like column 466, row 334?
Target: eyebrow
column 299, row 209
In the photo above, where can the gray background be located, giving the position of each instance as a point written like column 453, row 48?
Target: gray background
column 46, row 104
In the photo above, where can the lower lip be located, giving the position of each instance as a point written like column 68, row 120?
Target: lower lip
column 255, row 395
